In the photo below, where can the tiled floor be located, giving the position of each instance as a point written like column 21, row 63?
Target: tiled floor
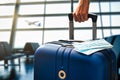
column 24, row 72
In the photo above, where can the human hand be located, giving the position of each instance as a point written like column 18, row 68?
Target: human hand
column 81, row 12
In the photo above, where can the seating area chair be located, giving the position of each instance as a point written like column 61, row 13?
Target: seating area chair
column 7, row 54
column 115, row 41
column 30, row 48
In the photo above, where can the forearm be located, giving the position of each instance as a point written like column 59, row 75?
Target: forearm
column 83, row 1
column 81, row 11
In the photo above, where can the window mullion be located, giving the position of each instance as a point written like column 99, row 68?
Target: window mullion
column 13, row 30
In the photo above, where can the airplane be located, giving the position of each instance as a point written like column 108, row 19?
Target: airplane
column 37, row 23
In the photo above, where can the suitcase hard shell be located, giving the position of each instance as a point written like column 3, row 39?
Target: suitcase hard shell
column 58, row 62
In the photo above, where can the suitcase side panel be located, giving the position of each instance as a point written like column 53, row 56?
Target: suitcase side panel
column 63, row 67
column 88, row 67
column 94, row 67
column 45, row 63
column 77, row 66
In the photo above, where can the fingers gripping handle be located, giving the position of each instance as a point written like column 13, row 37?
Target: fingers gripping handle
column 92, row 16
column 71, row 25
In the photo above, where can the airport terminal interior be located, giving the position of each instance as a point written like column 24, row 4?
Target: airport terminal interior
column 25, row 24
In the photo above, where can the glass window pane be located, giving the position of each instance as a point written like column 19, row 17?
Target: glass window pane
column 6, row 23
column 83, row 24
column 116, row 31
column 57, row 22
column 99, row 33
column 31, row 0
column 4, row 36
column 104, row 6
column 57, row 8
column 115, row 6
column 55, row 35
column 106, row 32
column 116, row 20
column 6, row 10
column 87, row 34
column 83, row 35
column 92, row 9
column 31, row 9
column 27, row 36
column 7, row 1
column 105, row 20
column 30, row 22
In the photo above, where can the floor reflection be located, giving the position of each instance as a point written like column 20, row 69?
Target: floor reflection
column 24, row 72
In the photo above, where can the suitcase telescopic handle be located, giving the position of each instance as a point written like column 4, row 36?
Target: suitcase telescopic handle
column 71, row 25
column 92, row 16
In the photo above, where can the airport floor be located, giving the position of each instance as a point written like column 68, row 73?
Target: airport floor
column 23, row 72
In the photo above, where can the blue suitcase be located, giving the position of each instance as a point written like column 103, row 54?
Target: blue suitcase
column 59, row 61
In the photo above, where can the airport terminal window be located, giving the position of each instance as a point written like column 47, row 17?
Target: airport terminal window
column 115, row 20
column 51, row 35
column 31, row 9
column 6, row 18
column 6, row 10
column 51, row 22
column 26, row 23
column 4, row 35
column 57, row 22
column 24, row 36
column 30, row 0
column 58, row 8
column 115, row 7
column 7, row 1
column 6, row 23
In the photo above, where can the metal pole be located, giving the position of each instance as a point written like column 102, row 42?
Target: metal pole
column 13, row 30
column 71, row 23
column 94, row 25
column 71, row 5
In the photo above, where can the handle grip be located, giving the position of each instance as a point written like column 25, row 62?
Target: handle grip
column 92, row 16
column 71, row 25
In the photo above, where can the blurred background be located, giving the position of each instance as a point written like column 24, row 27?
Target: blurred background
column 41, row 21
